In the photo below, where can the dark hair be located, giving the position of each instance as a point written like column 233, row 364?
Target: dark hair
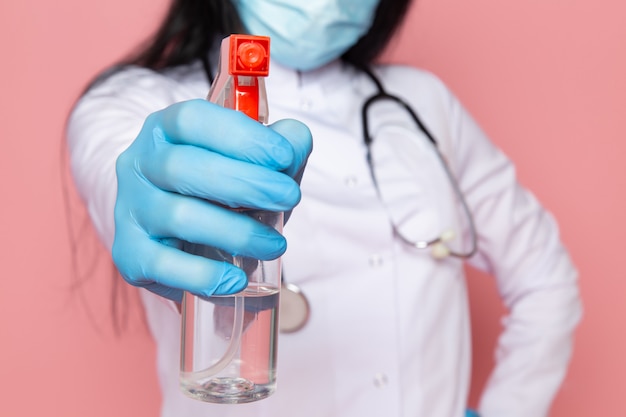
column 191, row 27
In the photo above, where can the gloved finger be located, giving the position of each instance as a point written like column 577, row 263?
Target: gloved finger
column 198, row 221
column 168, row 271
column 229, row 132
column 300, row 138
column 198, row 172
column 173, row 294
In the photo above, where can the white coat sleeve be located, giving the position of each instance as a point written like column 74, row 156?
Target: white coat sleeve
column 518, row 244
column 103, row 123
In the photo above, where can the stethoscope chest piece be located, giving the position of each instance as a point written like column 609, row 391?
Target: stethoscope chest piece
column 294, row 309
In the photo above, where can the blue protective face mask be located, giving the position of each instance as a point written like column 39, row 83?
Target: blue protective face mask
column 306, row 34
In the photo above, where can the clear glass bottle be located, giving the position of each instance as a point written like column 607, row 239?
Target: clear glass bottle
column 228, row 343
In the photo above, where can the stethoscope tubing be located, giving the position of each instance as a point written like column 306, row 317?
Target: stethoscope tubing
column 382, row 95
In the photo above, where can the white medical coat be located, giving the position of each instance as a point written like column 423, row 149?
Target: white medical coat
column 389, row 332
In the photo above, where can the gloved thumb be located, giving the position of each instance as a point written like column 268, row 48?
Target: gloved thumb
column 299, row 136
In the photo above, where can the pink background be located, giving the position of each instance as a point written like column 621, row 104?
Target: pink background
column 546, row 79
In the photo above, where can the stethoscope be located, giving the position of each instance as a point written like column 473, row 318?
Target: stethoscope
column 294, row 305
column 439, row 246
column 295, row 308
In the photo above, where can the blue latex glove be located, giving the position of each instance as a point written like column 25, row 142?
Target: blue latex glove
column 187, row 158
column 471, row 413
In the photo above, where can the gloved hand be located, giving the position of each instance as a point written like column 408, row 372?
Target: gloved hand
column 189, row 163
column 471, row 413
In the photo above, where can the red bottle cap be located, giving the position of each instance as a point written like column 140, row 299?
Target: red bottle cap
column 249, row 55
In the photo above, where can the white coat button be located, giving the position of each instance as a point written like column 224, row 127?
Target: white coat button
column 351, row 181
column 380, row 380
column 375, row 260
column 306, row 104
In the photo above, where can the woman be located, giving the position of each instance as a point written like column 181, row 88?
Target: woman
column 388, row 332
